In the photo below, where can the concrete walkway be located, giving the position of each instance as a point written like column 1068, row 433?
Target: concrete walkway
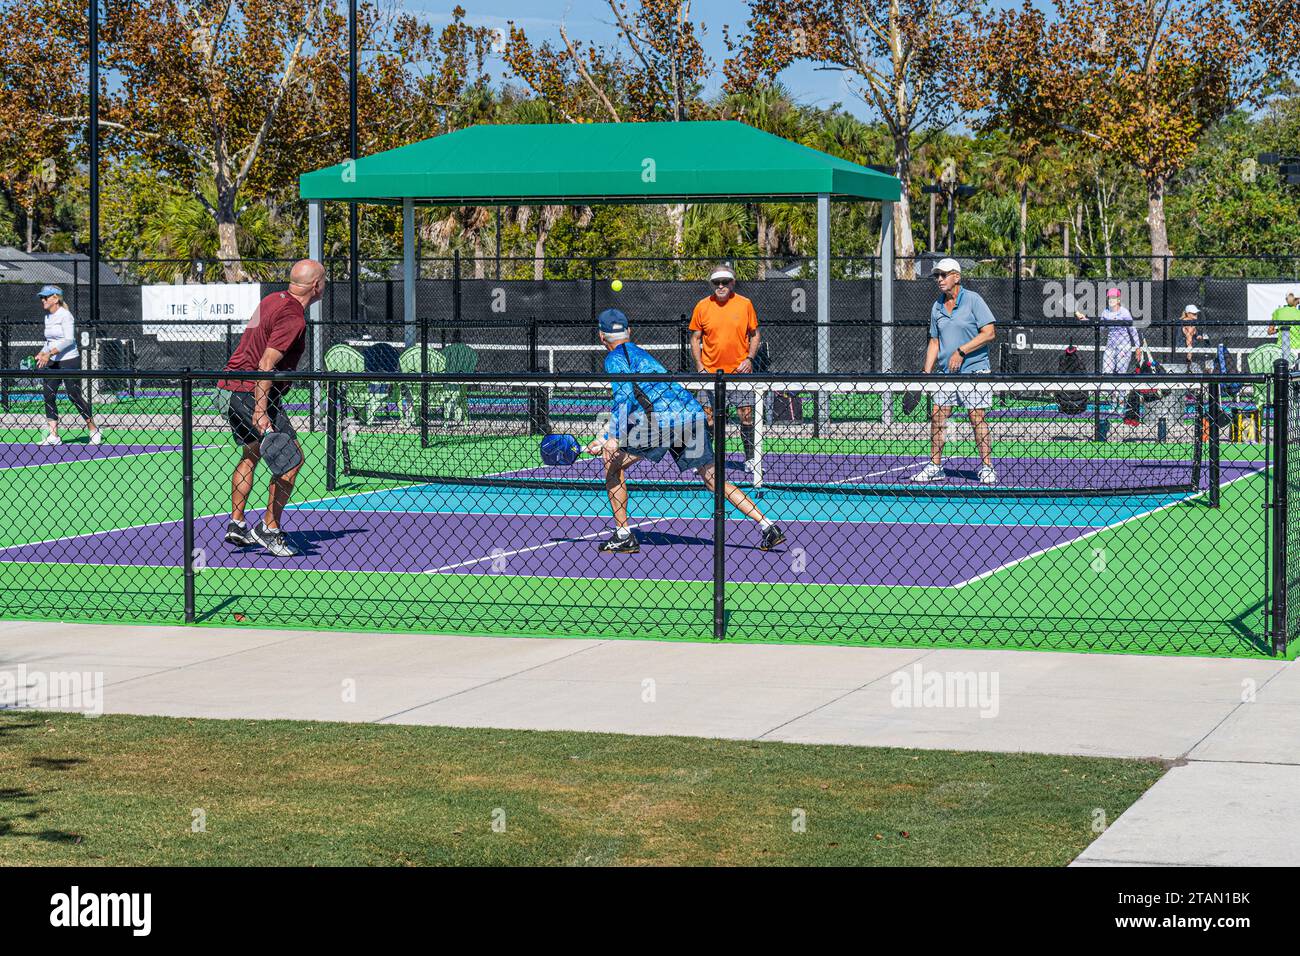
column 1234, row 726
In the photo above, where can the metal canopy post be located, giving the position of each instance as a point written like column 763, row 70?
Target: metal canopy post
column 316, row 250
column 887, row 302
column 408, row 269
column 823, row 304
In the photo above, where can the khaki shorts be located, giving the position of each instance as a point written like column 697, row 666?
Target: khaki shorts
column 966, row 394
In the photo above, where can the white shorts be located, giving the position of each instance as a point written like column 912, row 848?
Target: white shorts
column 965, row 395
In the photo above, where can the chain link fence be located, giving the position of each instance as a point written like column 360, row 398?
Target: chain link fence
column 1125, row 513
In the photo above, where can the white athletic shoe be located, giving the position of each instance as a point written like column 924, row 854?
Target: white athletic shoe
column 930, row 472
column 96, row 438
column 749, row 464
column 987, row 475
column 50, row 440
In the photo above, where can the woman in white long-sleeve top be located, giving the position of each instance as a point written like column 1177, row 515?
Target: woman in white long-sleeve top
column 60, row 352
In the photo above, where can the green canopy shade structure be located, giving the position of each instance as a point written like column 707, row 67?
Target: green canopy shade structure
column 599, row 163
column 611, row 163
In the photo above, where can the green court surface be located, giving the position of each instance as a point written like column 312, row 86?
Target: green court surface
column 1181, row 578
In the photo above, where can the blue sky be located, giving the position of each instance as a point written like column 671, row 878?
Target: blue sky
column 590, row 19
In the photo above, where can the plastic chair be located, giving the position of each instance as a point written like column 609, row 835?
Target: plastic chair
column 409, row 364
column 1260, row 362
column 347, row 360
column 461, row 360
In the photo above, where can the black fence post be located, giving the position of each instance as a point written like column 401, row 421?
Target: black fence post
column 719, row 506
column 331, row 435
column 424, row 380
column 313, row 390
column 187, row 488
column 1015, row 290
column 1215, row 439
column 539, row 417
column 455, row 289
column 1281, row 422
column 4, row 362
column 1097, row 369
column 1164, row 307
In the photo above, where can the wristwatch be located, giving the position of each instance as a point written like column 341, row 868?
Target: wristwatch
column 961, row 353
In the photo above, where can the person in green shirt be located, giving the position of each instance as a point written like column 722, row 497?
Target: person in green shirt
column 1288, row 335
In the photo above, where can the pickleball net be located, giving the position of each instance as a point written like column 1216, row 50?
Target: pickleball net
column 1051, row 437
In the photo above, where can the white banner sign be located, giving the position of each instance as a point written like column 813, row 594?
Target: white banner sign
column 1262, row 299
column 197, row 313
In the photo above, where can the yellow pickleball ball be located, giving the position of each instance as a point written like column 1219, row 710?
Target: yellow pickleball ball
column 617, row 285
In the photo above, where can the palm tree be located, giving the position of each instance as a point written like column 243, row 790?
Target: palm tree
column 772, row 109
column 181, row 227
column 715, row 231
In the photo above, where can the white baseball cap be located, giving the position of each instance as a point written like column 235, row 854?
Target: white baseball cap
column 946, row 265
column 1192, row 309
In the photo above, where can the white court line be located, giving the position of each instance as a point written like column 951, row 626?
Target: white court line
column 873, row 474
column 138, row 527
column 1062, row 544
column 536, row 547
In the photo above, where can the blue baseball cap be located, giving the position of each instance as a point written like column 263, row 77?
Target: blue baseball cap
column 613, row 322
column 50, row 290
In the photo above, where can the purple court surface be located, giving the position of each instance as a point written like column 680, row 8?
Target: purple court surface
column 20, row 455
column 854, row 552
column 675, row 549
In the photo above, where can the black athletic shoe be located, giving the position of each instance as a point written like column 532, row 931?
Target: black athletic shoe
column 238, row 535
column 773, row 537
column 621, row 544
column 272, row 541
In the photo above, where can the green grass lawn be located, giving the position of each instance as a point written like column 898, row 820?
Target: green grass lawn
column 123, row 791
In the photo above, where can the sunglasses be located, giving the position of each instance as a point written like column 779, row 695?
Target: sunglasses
column 719, row 283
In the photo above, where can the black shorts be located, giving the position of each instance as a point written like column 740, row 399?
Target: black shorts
column 687, row 455
column 240, row 416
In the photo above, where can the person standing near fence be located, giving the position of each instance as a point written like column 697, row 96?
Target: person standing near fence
column 60, row 352
column 961, row 328
column 273, row 341
column 1123, row 346
column 724, row 335
column 1286, row 326
column 1190, row 335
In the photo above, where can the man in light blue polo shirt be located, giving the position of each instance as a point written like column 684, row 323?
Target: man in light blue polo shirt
column 961, row 328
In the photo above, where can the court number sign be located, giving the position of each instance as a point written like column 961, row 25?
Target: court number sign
column 1021, row 340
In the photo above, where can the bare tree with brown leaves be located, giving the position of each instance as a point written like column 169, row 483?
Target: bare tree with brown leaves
column 654, row 75
column 1137, row 80
column 897, row 56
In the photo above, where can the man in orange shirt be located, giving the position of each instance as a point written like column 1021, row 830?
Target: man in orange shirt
column 724, row 335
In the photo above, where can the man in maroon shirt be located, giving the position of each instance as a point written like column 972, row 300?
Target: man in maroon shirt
column 273, row 340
